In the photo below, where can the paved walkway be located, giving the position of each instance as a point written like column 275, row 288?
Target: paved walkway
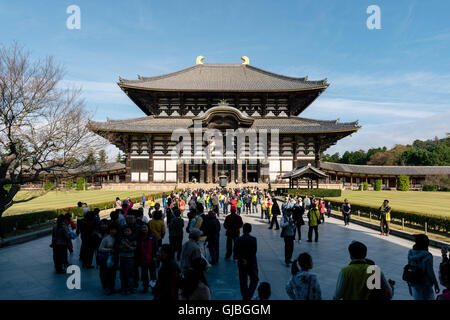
column 27, row 272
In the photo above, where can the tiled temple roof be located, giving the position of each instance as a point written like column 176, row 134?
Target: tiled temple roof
column 223, row 77
column 385, row 170
column 151, row 124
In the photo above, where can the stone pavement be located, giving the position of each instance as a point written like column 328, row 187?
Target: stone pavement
column 27, row 272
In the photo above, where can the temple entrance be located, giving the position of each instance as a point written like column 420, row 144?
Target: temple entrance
column 252, row 177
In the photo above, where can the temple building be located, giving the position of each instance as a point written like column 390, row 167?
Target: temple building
column 224, row 98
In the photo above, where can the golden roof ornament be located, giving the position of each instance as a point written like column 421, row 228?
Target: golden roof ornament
column 245, row 59
column 199, row 60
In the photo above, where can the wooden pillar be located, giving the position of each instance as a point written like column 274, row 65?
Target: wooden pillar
column 209, row 172
column 367, row 179
column 186, row 172
column 396, row 182
column 351, row 181
column 128, row 168
column 107, row 178
column 150, row 163
column 202, row 173
column 180, row 171
column 239, row 171
column 410, row 183
column 216, row 171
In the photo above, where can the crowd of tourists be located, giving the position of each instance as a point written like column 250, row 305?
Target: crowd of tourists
column 130, row 243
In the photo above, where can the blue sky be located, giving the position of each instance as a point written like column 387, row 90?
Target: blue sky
column 395, row 81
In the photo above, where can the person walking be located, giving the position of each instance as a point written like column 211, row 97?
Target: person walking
column 288, row 232
column 385, row 218
column 275, row 213
column 346, row 211
column 329, row 208
column 60, row 240
column 245, row 250
column 314, row 221
column 303, row 285
column 297, row 216
column 322, row 209
column 419, row 272
column 233, row 223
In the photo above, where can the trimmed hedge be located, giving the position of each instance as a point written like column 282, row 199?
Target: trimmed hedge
column 436, row 223
column 319, row 193
column 403, row 183
column 23, row 221
column 365, row 186
column 377, row 184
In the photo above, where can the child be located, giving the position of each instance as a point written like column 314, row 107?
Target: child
column 147, row 249
column 127, row 247
column 107, row 252
column 303, row 285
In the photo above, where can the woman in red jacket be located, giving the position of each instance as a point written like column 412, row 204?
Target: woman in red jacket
column 147, row 249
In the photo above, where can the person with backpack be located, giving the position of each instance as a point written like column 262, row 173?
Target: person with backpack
column 198, row 224
column 419, row 272
column 233, row 223
column 288, row 232
column 303, row 285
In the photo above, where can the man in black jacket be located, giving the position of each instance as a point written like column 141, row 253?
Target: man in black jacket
column 245, row 250
column 212, row 236
column 275, row 213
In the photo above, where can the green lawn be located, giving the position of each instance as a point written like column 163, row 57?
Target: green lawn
column 63, row 199
column 437, row 203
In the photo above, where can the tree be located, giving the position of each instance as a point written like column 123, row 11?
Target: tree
column 42, row 126
column 90, row 158
column 102, row 157
column 119, row 157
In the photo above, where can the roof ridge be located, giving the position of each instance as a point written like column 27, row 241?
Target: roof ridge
column 302, row 79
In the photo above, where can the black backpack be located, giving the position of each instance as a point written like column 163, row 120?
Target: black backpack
column 412, row 274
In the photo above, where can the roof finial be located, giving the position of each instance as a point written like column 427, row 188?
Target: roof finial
column 199, row 60
column 245, row 59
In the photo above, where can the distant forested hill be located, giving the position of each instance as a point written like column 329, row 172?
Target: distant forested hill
column 434, row 152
